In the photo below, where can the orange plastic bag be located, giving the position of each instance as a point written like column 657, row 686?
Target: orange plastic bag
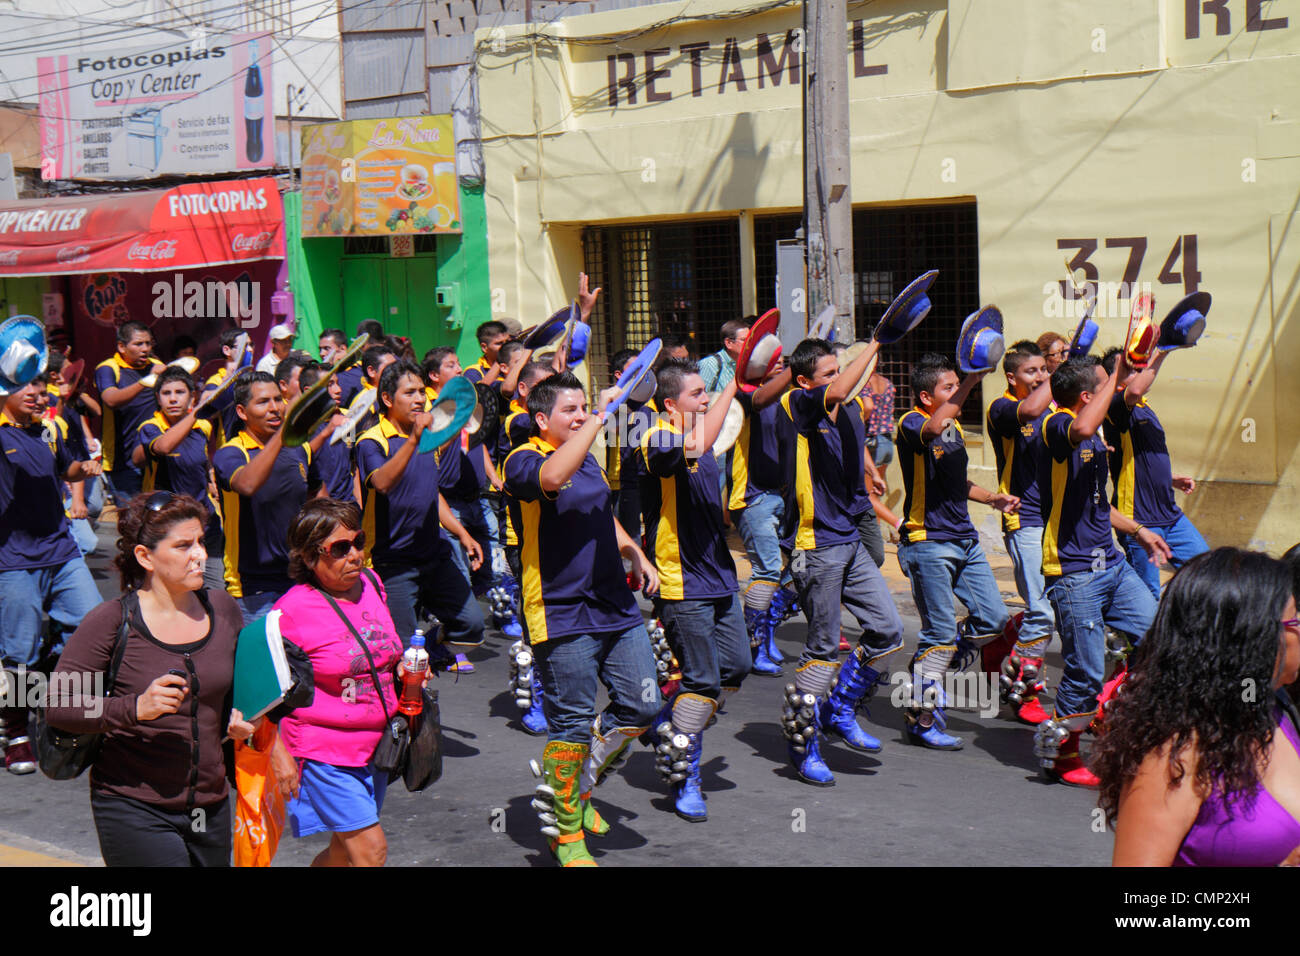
column 259, row 804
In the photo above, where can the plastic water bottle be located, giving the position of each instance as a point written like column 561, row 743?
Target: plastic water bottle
column 416, row 663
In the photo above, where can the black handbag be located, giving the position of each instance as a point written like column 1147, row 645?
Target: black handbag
column 63, row 755
column 415, row 755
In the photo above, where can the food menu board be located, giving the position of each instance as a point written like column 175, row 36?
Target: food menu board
column 380, row 177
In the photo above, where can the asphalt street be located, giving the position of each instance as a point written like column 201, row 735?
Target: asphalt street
column 983, row 805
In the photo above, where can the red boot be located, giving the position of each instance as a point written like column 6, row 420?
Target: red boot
column 1069, row 767
column 1031, row 712
column 844, row 643
column 995, row 652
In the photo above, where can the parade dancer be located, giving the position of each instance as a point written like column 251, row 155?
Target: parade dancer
column 1140, row 466
column 1089, row 583
column 697, row 600
column 1015, row 423
column 753, row 471
column 939, row 551
column 128, row 403
column 828, row 562
column 582, row 619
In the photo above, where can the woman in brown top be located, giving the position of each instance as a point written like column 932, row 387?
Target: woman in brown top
column 158, row 788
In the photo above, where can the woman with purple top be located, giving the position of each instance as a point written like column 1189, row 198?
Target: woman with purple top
column 1200, row 761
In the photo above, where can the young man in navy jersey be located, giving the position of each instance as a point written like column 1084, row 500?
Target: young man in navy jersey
column 128, row 403
column 402, row 511
column 697, row 599
column 1089, row 583
column 41, row 569
column 940, row 552
column 173, row 451
column 1142, row 473
column 227, row 421
column 828, row 562
column 582, row 619
column 1015, row 424
column 333, row 460
column 263, row 485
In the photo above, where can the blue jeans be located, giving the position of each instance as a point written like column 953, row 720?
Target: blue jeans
column 569, row 668
column 1184, row 541
column 882, row 452
column 480, row 521
column 440, row 587
column 1026, row 549
column 255, row 604
column 842, row 574
column 1086, row 603
column 82, row 531
column 710, row 641
column 940, row 569
column 125, row 483
column 66, row 592
column 759, row 524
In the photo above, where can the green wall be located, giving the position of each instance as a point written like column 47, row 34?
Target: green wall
column 317, row 271
column 23, row 294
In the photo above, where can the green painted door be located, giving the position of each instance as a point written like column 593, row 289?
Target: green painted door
column 363, row 292
column 399, row 293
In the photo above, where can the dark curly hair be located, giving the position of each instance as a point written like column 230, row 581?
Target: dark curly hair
column 1203, row 676
column 139, row 524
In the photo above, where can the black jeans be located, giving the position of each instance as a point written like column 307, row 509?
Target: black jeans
column 134, row 833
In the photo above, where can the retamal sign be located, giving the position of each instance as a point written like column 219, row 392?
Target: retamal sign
column 380, row 177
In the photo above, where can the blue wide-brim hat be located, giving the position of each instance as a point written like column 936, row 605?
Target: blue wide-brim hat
column 579, row 341
column 549, row 331
column 23, row 352
column 451, row 411
column 1084, row 336
column 823, row 327
column 638, row 381
column 1185, row 322
column 980, row 344
column 907, row 310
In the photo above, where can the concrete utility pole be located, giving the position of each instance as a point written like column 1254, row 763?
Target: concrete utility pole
column 828, row 213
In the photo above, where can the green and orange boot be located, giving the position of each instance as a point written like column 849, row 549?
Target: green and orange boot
column 560, row 805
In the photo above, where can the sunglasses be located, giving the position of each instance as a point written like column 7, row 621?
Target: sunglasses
column 159, row 500
column 340, row 549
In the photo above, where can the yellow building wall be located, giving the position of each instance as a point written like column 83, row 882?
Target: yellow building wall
column 1085, row 131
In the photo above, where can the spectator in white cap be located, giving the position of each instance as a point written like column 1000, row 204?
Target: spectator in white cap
column 281, row 345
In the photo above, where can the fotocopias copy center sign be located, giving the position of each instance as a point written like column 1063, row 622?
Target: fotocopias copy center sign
column 176, row 109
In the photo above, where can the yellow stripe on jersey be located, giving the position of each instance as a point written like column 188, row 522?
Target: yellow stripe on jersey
column 1010, row 522
column 738, row 476
column 530, row 558
column 805, row 538
column 1126, row 487
column 1052, row 527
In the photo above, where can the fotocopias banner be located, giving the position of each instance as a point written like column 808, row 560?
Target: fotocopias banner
column 198, row 224
column 183, row 108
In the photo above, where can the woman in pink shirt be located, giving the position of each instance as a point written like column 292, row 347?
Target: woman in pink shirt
column 332, row 787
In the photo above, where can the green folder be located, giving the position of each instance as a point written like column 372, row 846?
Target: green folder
column 262, row 676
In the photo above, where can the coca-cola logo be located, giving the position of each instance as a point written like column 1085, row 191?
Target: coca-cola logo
column 73, row 254
column 9, row 258
column 162, row 249
column 255, row 243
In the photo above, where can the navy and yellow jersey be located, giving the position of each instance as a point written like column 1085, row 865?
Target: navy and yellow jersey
column 1072, row 480
column 227, row 419
column 858, row 419
column 70, row 418
column 825, row 471
column 183, row 470
column 334, row 462
column 401, row 525
column 479, row 369
column 685, row 535
column 34, row 530
column 1017, row 447
column 518, row 428
column 636, row 418
column 351, row 380
column 934, row 479
column 573, row 579
column 257, row 527
column 122, row 423
column 753, row 464
column 1139, row 466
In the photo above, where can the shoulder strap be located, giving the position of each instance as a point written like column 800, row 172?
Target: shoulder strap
column 374, row 674
column 129, row 600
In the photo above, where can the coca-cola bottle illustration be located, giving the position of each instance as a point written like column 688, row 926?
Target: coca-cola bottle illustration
column 253, row 110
